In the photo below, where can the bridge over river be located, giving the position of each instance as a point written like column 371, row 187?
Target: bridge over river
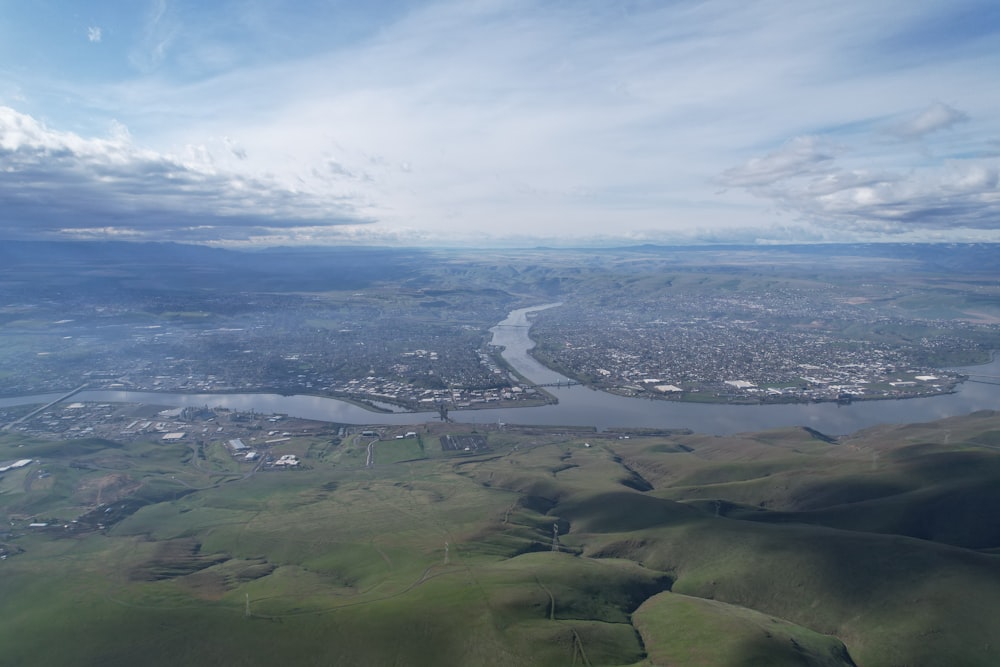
column 582, row 406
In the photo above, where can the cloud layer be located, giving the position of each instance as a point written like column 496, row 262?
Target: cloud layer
column 450, row 121
column 60, row 183
column 830, row 185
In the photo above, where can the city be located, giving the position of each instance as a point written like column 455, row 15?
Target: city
column 679, row 332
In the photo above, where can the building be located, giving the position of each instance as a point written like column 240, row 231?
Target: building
column 236, row 446
column 287, row 461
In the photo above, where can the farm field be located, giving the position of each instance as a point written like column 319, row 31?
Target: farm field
column 535, row 547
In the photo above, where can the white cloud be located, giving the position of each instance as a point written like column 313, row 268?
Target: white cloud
column 819, row 187
column 937, row 116
column 451, row 118
column 801, row 156
column 101, row 233
column 59, row 182
column 160, row 30
column 94, row 34
column 236, row 149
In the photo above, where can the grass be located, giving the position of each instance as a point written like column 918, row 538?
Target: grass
column 394, row 451
column 772, row 548
column 694, row 631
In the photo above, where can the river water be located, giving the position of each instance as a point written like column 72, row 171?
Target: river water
column 580, row 406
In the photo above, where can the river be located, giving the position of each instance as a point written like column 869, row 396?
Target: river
column 581, row 406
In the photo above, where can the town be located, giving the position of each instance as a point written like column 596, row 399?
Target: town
column 726, row 348
column 671, row 324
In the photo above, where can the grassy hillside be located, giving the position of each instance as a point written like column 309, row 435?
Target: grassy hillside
column 784, row 547
column 692, row 631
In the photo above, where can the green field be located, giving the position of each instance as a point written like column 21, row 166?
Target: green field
column 551, row 548
column 394, row 451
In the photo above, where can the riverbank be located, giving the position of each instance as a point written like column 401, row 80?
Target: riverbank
column 583, row 406
column 706, row 397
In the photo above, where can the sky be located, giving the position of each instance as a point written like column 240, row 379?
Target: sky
column 500, row 122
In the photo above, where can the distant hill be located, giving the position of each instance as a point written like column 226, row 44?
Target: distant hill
column 178, row 267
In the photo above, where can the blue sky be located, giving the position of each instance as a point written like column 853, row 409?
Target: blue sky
column 500, row 122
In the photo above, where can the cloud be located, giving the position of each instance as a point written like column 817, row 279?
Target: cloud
column 540, row 118
column 799, row 157
column 54, row 183
column 94, row 34
column 936, row 117
column 823, row 187
column 235, row 149
column 160, row 31
column 937, row 199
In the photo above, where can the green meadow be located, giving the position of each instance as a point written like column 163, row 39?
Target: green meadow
column 551, row 547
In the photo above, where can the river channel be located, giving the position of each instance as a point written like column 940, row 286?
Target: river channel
column 581, row 406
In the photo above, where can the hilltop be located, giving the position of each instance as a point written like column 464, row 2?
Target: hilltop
column 513, row 546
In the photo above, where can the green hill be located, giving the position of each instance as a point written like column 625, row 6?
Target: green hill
column 777, row 548
column 692, row 631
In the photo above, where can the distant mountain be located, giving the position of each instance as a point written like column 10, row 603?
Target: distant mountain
column 174, row 266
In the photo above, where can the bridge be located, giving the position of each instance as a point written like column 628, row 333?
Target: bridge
column 45, row 407
column 982, row 379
